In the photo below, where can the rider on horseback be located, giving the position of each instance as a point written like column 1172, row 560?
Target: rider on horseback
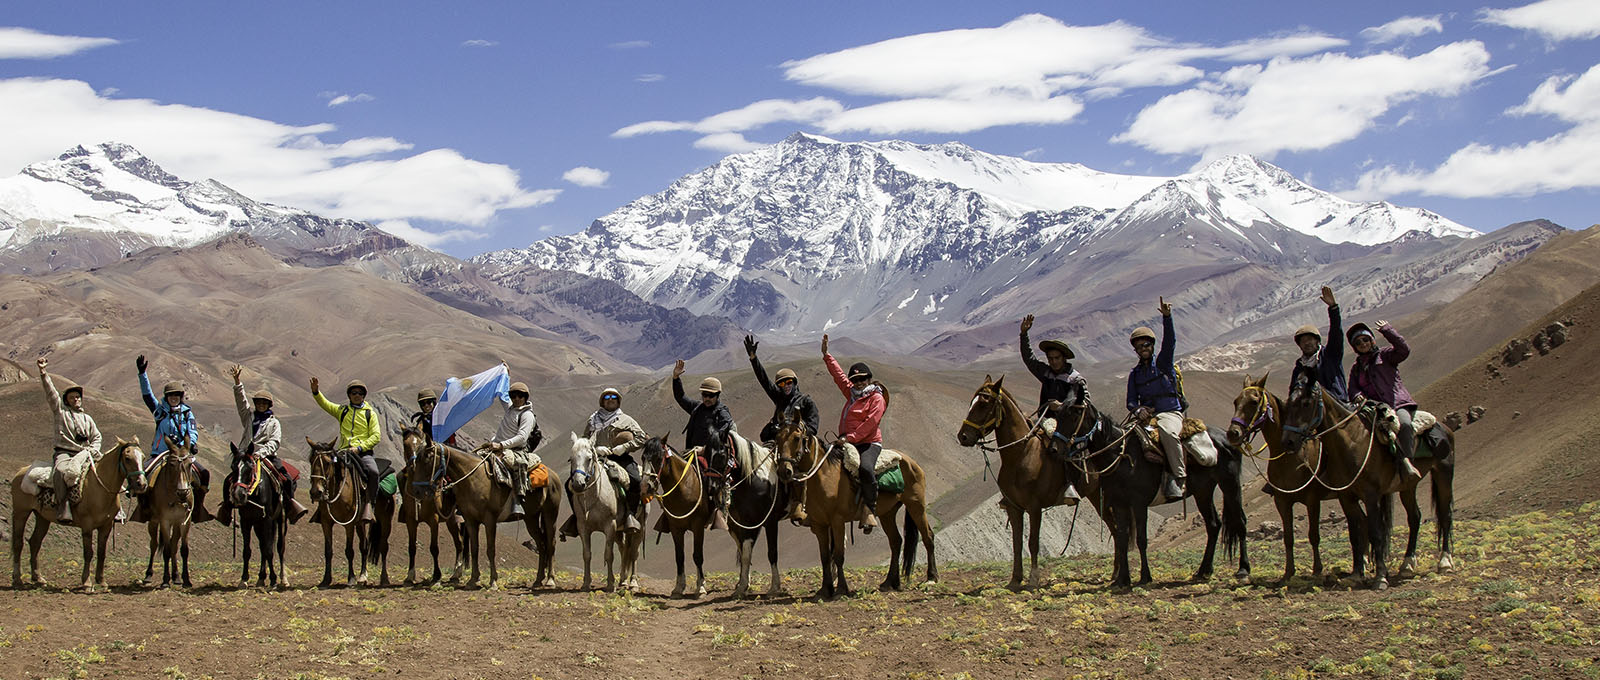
column 1059, row 383
column 623, row 436
column 709, row 425
column 359, row 433
column 263, row 435
column 864, row 404
column 514, row 441
column 1154, row 391
column 1376, row 376
column 176, row 420
column 1325, row 362
column 785, row 396
column 77, row 442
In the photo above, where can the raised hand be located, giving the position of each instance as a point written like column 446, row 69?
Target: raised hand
column 44, row 364
column 314, row 383
column 750, row 345
column 141, row 364
column 235, row 372
column 677, row 370
column 1327, row 296
column 824, row 343
column 1166, row 309
column 1382, row 323
column 1027, row 323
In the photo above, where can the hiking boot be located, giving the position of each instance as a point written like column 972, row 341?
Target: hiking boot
column 1069, row 497
column 797, row 514
column 1173, row 489
column 200, row 514
column 569, row 528
column 630, row 522
column 868, row 520
column 717, row 521
column 296, row 511
column 64, row 513
column 1409, row 470
column 516, row 510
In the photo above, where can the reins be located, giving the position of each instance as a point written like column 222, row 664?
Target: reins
column 661, row 498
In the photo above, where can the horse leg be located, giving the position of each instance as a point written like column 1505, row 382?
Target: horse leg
column 150, row 563
column 1014, row 515
column 891, row 580
column 100, row 557
column 1444, row 509
column 264, row 538
column 411, row 549
column 745, row 546
column 611, row 557
column 588, row 580
column 677, row 554
column 1035, row 579
column 183, row 546
column 1141, row 524
column 838, row 558
column 1285, row 506
column 35, row 541
column 327, row 554
column 825, row 554
column 19, row 521
column 1408, row 499
column 366, row 545
column 925, row 529
column 1205, row 503
column 88, row 554
column 489, row 548
column 350, row 532
column 1379, row 529
column 456, row 530
column 244, row 564
column 470, row 535
column 433, row 549
column 1355, row 521
column 775, row 588
column 282, row 541
column 1124, row 529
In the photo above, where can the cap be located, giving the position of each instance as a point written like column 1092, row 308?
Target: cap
column 1307, row 329
column 518, row 387
column 354, row 384
column 1357, row 329
column 171, row 387
column 1142, row 333
column 427, row 395
column 787, row 374
column 860, row 369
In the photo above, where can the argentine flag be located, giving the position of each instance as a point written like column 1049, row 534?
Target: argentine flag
column 465, row 398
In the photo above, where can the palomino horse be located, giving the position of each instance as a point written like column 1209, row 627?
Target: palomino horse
column 753, row 502
column 831, row 503
column 335, row 489
column 259, row 497
column 482, row 503
column 1349, row 461
column 597, row 504
column 675, row 483
column 422, row 500
column 1030, row 478
column 172, row 480
column 92, row 514
column 1257, row 409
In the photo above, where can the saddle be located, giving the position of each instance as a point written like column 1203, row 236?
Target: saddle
column 1430, row 434
column 756, row 460
column 888, row 459
column 40, row 479
column 1194, row 437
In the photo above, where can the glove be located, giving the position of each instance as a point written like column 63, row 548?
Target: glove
column 750, row 345
column 141, row 363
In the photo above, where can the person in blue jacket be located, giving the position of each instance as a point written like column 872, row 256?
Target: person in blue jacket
column 176, row 420
column 1154, row 391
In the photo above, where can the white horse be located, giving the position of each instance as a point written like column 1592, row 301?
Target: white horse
column 598, row 507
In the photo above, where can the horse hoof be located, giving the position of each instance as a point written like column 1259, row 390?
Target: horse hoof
column 1014, row 586
column 1446, row 564
column 1380, row 585
column 888, row 587
column 326, row 583
column 1199, row 577
column 1241, row 575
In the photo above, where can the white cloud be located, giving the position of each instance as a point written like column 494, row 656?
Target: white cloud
column 1563, row 161
column 422, row 237
column 585, row 176
column 480, row 43
column 649, row 77
column 1402, row 28
column 748, row 117
column 1033, row 153
column 1554, row 19
column 952, row 115
column 367, row 178
column 342, row 99
column 1300, row 104
column 25, row 43
column 731, row 142
column 630, row 45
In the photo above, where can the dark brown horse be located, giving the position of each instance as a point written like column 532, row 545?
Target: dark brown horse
column 831, row 504
column 674, row 480
column 93, row 514
column 335, row 488
column 172, row 500
column 1030, row 478
column 255, row 491
column 541, row 508
column 422, row 500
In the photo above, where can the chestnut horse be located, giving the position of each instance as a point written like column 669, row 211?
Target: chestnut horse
column 674, row 480
column 93, row 514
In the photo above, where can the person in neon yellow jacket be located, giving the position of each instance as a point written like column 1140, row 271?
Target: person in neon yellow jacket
column 359, row 429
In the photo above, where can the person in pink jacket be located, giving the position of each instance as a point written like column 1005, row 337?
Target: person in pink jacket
column 864, row 404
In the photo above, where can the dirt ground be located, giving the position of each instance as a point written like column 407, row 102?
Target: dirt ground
column 1524, row 602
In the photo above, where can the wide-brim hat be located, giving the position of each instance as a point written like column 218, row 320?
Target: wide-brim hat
column 1058, row 346
column 1307, row 329
column 262, row 395
column 711, row 385
column 427, row 395
column 354, row 384
column 860, row 369
column 1357, row 329
column 787, row 374
column 171, row 387
column 1141, row 333
column 67, row 387
column 517, row 387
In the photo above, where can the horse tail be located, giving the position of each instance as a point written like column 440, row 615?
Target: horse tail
column 1442, row 480
column 913, row 538
column 1230, row 469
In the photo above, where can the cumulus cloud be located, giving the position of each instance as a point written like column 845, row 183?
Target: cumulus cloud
column 1402, row 28
column 25, row 43
column 1564, row 161
column 630, row 45
column 423, row 237
column 649, row 77
column 731, row 142
column 367, row 178
column 952, row 115
column 1299, row 104
column 745, row 118
column 585, row 176
column 1556, row 20
column 342, row 99
column 480, row 43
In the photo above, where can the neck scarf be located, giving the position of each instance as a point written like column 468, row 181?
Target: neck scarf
column 259, row 418
column 858, row 394
column 602, row 418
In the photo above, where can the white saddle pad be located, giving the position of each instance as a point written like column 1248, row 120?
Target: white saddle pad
column 1423, row 421
column 616, row 472
column 38, row 476
column 1201, row 449
column 888, row 459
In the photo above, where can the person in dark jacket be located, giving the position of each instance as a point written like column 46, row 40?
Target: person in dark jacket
column 786, row 396
column 1153, row 390
column 1326, row 362
column 1058, row 383
column 1376, row 376
column 709, row 425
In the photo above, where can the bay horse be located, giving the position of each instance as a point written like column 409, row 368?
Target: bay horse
column 597, row 505
column 1030, row 478
column 753, row 502
column 94, row 513
column 422, row 500
column 259, row 498
column 541, row 509
column 831, row 504
column 674, row 481
column 172, row 479
column 482, row 502
column 335, row 488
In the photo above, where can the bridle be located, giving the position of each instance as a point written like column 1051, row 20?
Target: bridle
column 590, row 472
column 1079, row 454
column 989, row 425
column 1264, row 414
column 809, row 443
column 653, row 474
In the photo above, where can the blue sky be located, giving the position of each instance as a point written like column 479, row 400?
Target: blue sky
column 478, row 126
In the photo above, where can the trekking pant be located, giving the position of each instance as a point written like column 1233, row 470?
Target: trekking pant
column 1408, row 437
column 865, row 477
column 369, row 473
column 1170, row 423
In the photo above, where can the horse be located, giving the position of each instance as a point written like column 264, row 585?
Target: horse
column 674, row 481
column 262, row 509
column 1030, row 478
column 94, row 513
column 755, row 496
column 541, row 509
column 422, row 500
column 1345, row 462
column 831, row 503
column 597, row 504
column 171, row 503
column 482, row 503
column 336, row 490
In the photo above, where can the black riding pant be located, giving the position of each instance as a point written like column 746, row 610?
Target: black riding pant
column 632, row 466
column 868, row 481
column 1408, row 438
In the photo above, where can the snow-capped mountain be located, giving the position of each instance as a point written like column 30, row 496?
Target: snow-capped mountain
column 114, row 195
column 813, row 233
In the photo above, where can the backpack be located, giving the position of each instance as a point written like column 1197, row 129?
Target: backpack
column 535, row 437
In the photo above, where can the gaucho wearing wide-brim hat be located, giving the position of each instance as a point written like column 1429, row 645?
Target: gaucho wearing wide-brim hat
column 1307, row 329
column 1058, row 346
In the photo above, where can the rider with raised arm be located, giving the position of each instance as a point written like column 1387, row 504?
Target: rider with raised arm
column 864, row 404
column 175, row 419
column 1154, row 390
column 263, row 434
column 1059, row 383
column 1376, row 375
column 786, row 397
column 359, row 433
column 709, row 425
column 76, row 443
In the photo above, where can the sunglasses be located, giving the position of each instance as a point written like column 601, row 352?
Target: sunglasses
column 785, row 382
column 1144, row 345
column 858, row 380
column 709, row 395
column 610, row 397
column 356, row 392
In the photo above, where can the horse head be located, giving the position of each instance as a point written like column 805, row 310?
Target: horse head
column 654, row 455
column 323, row 467
column 583, row 458
column 180, row 456
column 983, row 415
column 1251, row 409
column 130, row 460
column 789, row 446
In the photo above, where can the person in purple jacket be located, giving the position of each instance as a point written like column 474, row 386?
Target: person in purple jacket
column 1376, row 376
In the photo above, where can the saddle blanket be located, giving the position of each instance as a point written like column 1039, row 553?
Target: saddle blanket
column 1195, row 438
column 754, row 459
column 888, row 459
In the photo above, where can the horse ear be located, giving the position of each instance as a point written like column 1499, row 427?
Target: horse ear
column 1262, row 382
column 1248, row 381
column 999, row 380
column 310, row 443
column 988, row 379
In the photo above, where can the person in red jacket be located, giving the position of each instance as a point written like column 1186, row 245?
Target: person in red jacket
column 864, row 404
